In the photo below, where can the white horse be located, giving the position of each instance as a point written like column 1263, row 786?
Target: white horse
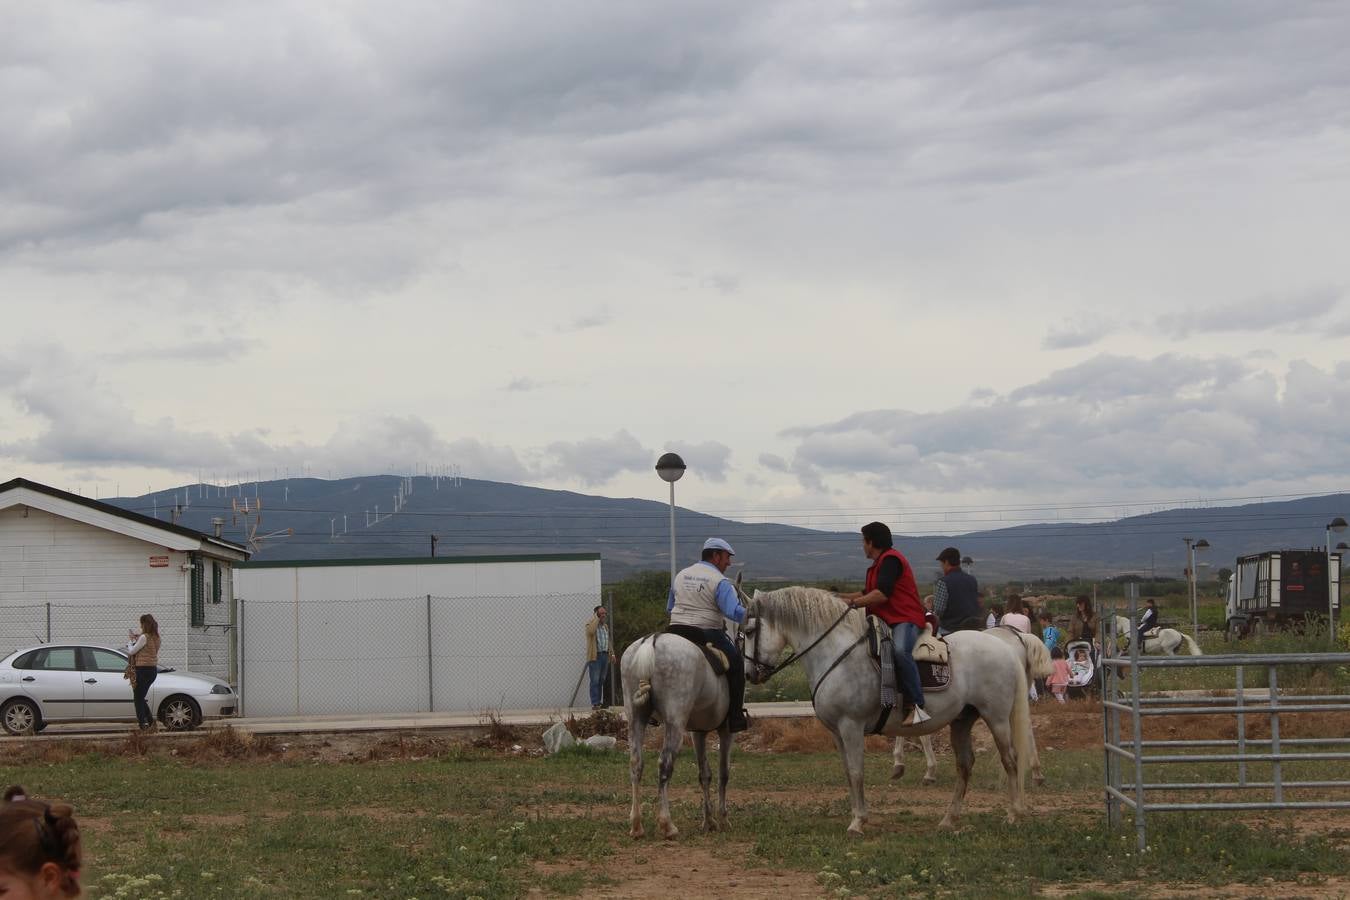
column 1038, row 665
column 988, row 682
column 1164, row 640
column 667, row 676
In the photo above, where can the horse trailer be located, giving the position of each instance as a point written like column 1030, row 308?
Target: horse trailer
column 1281, row 587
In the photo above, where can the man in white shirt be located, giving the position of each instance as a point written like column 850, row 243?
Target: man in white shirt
column 703, row 597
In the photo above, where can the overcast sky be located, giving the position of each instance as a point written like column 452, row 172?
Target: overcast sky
column 908, row 260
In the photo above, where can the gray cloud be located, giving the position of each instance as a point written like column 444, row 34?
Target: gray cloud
column 596, row 319
column 206, row 352
column 1073, row 337
column 1110, row 424
column 708, row 460
column 1284, row 313
column 595, row 461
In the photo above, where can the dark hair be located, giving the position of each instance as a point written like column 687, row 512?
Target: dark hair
column 149, row 625
column 1086, row 601
column 997, row 609
column 878, row 535
column 33, row 834
column 1056, row 653
column 1015, row 604
column 707, row 555
column 1045, row 614
column 951, row 556
column 597, row 610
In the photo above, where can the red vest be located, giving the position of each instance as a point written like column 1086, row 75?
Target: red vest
column 903, row 605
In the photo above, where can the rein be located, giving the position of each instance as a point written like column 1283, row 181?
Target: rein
column 796, row 655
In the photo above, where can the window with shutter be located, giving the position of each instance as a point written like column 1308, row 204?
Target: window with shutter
column 198, row 592
column 215, row 582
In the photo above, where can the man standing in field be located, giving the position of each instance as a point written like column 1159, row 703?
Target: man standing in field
column 703, row 597
column 956, row 596
column 599, row 655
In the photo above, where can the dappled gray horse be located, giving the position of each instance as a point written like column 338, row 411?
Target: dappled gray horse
column 667, row 676
column 988, row 682
column 1038, row 665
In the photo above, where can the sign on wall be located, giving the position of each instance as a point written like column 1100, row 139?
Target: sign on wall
column 159, row 562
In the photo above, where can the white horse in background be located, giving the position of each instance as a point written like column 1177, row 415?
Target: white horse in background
column 1038, row 665
column 1163, row 640
column 668, row 676
column 988, row 682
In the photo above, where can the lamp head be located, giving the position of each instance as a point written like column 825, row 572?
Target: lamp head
column 1337, row 525
column 1202, row 544
column 670, row 467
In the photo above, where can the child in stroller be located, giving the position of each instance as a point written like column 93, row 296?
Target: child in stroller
column 1082, row 667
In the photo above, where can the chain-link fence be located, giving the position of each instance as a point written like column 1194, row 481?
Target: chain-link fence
column 411, row 654
column 106, row 626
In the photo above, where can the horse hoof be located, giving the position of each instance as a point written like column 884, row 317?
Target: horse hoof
column 947, row 824
column 636, row 832
column 897, row 773
column 855, row 830
column 929, row 779
column 1038, row 780
column 670, row 832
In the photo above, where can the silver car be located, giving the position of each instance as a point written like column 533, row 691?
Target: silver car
column 84, row 683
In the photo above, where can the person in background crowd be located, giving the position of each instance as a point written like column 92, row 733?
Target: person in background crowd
column 143, row 648
column 956, row 596
column 599, row 656
column 891, row 594
column 1015, row 617
column 1049, row 632
column 1083, row 625
column 1059, row 679
column 703, row 597
column 995, row 613
column 39, row 849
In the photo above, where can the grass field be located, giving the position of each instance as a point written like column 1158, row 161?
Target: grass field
column 227, row 817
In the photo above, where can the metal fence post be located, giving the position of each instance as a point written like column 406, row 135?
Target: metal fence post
column 1111, row 727
column 1140, row 826
column 613, row 669
column 243, row 662
column 49, row 621
column 431, row 695
column 1277, row 775
column 1241, row 731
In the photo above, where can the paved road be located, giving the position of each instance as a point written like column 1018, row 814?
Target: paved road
column 382, row 722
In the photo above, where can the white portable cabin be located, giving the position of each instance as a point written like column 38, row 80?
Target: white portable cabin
column 443, row 634
column 78, row 570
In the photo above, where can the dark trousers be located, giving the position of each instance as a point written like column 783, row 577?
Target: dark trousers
column 145, row 676
column 599, row 672
column 735, row 668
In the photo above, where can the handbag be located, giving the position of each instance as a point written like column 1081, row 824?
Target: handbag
column 129, row 673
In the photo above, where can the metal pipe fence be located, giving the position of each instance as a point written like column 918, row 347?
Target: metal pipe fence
column 1127, row 755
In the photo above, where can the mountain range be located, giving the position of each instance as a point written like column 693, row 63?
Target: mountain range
column 312, row 518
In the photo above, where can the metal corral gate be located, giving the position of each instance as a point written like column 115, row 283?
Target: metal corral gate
column 1133, row 753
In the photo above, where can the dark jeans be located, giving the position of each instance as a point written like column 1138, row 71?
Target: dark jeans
column 903, row 638
column 599, row 670
column 145, row 676
column 735, row 668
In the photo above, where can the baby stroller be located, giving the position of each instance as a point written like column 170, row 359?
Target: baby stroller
column 1083, row 669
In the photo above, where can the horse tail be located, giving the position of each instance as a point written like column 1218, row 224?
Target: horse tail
column 644, row 662
column 1039, row 663
column 1191, row 646
column 1021, row 727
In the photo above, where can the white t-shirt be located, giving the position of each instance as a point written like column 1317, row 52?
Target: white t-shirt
column 1018, row 621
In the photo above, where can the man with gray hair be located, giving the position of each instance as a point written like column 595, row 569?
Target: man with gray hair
column 703, row 597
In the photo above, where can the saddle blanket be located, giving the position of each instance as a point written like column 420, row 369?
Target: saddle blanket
column 716, row 658
column 934, row 676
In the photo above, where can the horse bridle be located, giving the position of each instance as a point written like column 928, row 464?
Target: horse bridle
column 761, row 665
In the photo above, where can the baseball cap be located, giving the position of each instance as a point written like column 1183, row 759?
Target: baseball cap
column 951, row 556
column 718, row 544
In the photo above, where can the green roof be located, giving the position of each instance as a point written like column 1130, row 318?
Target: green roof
column 420, row 560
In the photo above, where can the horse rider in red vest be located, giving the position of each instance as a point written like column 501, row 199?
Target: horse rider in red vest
column 891, row 594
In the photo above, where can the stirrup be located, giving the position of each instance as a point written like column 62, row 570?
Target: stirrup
column 917, row 716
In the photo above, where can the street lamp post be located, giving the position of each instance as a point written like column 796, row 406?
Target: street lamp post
column 1337, row 525
column 1192, row 546
column 671, row 468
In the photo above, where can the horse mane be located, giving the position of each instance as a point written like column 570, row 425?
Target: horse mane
column 806, row 609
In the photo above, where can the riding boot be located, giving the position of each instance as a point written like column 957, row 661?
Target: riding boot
column 737, row 718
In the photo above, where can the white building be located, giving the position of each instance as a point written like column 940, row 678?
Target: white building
column 446, row 634
column 76, row 569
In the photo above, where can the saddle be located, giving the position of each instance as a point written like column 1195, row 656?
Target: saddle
column 932, row 655
column 933, row 675
column 716, row 658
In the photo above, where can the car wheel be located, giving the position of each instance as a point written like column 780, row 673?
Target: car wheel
column 21, row 717
column 180, row 713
